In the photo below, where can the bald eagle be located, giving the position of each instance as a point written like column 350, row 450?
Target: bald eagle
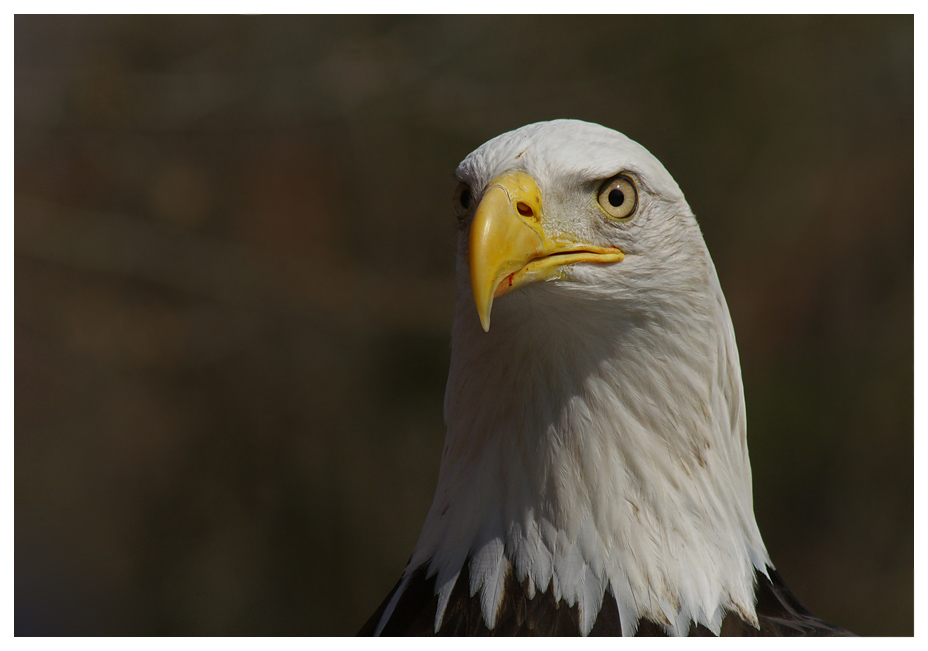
column 595, row 477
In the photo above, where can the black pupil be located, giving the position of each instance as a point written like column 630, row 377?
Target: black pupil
column 616, row 197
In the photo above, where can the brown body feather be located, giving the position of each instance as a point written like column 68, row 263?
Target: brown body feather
column 779, row 613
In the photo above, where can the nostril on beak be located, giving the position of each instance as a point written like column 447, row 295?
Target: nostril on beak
column 524, row 209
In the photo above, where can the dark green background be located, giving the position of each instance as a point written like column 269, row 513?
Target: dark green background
column 234, row 289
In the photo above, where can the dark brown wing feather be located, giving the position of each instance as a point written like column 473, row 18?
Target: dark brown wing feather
column 779, row 613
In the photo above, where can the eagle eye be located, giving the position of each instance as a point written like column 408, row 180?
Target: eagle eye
column 618, row 197
column 463, row 200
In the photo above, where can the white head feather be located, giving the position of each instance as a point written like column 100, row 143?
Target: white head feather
column 596, row 434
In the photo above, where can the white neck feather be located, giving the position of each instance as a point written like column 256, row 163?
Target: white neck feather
column 613, row 459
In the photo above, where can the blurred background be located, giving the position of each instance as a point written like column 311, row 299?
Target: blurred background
column 234, row 249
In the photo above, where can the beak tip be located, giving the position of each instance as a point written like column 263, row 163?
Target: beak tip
column 483, row 313
column 483, row 301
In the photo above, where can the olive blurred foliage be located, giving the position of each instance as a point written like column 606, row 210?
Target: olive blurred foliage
column 234, row 285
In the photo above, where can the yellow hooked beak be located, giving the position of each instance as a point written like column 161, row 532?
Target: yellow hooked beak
column 509, row 248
